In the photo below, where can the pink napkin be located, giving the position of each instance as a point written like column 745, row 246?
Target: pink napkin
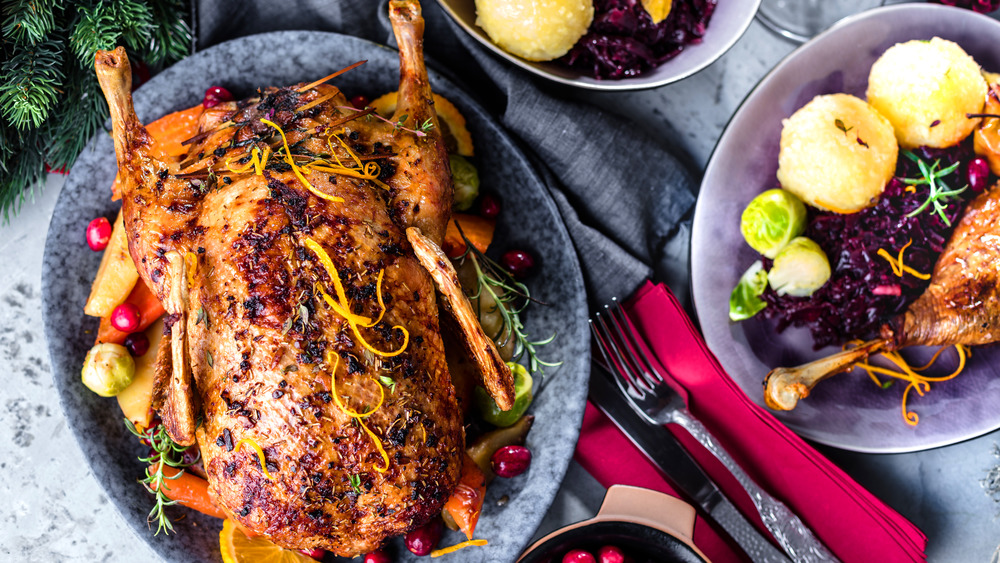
column 853, row 523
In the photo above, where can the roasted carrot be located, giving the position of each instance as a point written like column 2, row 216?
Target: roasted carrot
column 478, row 230
column 466, row 501
column 150, row 309
column 189, row 490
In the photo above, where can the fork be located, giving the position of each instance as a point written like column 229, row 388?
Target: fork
column 641, row 378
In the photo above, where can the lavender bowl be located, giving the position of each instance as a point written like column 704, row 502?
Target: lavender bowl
column 847, row 411
column 729, row 21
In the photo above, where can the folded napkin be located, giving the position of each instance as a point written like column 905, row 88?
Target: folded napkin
column 853, row 523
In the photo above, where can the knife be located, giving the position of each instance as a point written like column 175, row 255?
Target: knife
column 660, row 446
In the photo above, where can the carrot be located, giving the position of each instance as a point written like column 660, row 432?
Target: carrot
column 169, row 132
column 478, row 230
column 466, row 501
column 189, row 490
column 150, row 309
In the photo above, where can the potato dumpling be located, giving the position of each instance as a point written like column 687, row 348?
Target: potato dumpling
column 537, row 30
column 925, row 88
column 837, row 153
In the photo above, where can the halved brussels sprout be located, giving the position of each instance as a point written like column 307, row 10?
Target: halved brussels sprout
column 799, row 269
column 466, row 179
column 108, row 369
column 745, row 301
column 522, row 399
column 771, row 220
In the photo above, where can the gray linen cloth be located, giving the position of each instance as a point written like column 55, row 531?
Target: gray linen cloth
column 624, row 198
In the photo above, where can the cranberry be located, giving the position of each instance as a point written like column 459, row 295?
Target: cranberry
column 511, row 461
column 578, row 556
column 125, row 317
column 316, row 554
column 489, row 206
column 377, row 556
column 360, row 102
column 978, row 174
column 215, row 95
column 424, row 539
column 98, row 234
column 518, row 262
column 137, row 344
column 610, row 554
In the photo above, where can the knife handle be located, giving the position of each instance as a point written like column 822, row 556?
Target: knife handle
column 790, row 532
column 743, row 532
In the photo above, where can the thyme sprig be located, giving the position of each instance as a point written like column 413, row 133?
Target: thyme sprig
column 165, row 452
column 511, row 298
column 934, row 179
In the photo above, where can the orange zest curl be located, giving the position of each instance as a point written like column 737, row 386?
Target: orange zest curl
column 342, row 307
column 456, row 547
column 260, row 454
column 258, row 159
column 898, row 267
column 355, row 414
column 915, row 380
column 296, row 169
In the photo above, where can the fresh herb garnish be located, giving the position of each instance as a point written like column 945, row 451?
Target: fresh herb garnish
column 165, row 452
column 355, row 483
column 511, row 298
column 933, row 177
column 840, row 125
column 209, row 360
column 388, row 382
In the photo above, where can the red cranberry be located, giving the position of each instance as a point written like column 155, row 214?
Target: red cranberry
column 98, row 234
column 424, row 539
column 518, row 262
column 578, row 556
column 377, row 556
column 489, row 206
column 610, row 554
column 511, row 461
column 978, row 174
column 316, row 554
column 215, row 95
column 137, row 344
column 125, row 317
column 360, row 102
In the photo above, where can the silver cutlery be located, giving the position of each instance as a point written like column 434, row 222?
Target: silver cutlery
column 641, row 378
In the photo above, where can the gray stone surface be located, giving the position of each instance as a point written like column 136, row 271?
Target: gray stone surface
column 54, row 510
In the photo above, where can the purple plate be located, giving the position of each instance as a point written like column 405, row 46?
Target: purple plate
column 847, row 411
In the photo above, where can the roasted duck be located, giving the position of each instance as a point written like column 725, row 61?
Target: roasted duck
column 960, row 306
column 305, row 358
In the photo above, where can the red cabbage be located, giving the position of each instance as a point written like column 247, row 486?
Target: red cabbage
column 623, row 41
column 863, row 292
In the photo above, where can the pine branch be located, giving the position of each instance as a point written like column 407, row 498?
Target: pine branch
column 27, row 171
column 30, row 84
column 105, row 25
column 76, row 120
column 29, row 21
column 171, row 36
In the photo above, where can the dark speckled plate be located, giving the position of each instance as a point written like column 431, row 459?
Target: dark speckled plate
column 529, row 221
column 847, row 411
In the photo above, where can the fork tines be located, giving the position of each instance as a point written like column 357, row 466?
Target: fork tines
column 623, row 354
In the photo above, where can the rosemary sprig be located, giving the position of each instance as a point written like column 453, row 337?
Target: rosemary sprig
column 165, row 452
column 511, row 298
column 934, row 179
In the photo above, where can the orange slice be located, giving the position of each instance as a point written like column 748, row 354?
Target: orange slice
column 236, row 547
column 456, row 135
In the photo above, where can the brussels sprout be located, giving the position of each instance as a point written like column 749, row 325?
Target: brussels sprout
column 466, row 180
column 522, row 399
column 108, row 369
column 799, row 269
column 745, row 301
column 772, row 219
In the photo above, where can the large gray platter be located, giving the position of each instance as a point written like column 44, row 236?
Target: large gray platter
column 847, row 411
column 529, row 220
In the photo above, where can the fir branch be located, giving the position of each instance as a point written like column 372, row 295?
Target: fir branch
column 105, row 25
column 170, row 39
column 79, row 117
column 29, row 21
column 30, row 84
column 24, row 168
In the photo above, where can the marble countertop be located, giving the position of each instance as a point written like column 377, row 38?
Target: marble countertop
column 53, row 509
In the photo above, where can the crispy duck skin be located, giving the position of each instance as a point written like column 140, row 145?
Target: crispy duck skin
column 960, row 306
column 238, row 260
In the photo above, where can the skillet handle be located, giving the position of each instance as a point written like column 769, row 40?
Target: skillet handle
column 651, row 508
